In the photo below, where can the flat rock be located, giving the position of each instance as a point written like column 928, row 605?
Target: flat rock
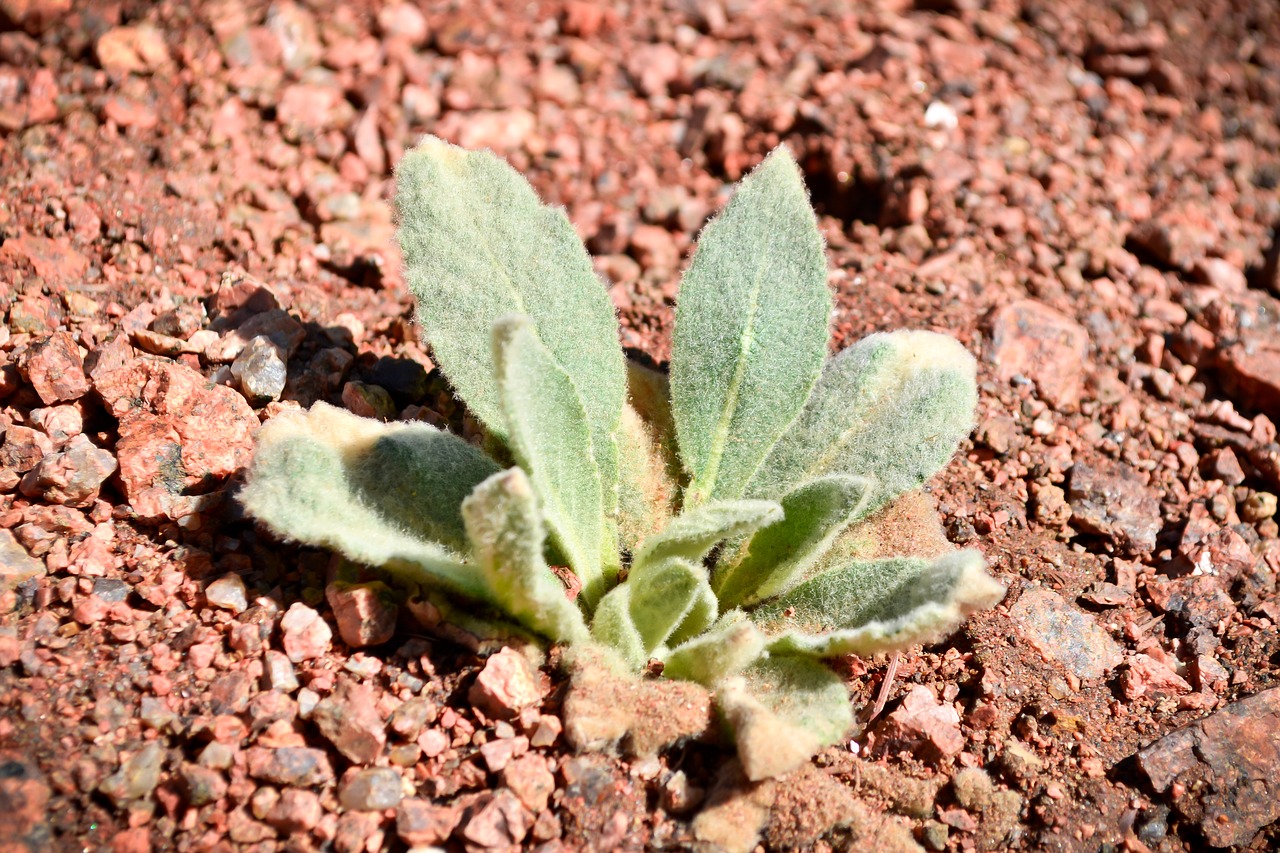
column 16, row 565
column 290, row 765
column 180, row 435
column 55, row 369
column 1032, row 340
column 371, row 789
column 925, row 725
column 1223, row 772
column 1109, row 499
column 1250, row 372
column 1063, row 633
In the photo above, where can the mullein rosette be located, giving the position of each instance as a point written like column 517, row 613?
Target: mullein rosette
column 707, row 514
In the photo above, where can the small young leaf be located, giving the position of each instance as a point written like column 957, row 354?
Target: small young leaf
column 548, row 432
column 478, row 245
column 751, row 330
column 778, row 556
column 300, row 486
column 730, row 646
column 892, row 406
column 664, row 598
column 646, row 492
column 613, row 626
column 692, row 535
column 879, row 605
column 701, row 616
column 783, row 710
column 508, row 538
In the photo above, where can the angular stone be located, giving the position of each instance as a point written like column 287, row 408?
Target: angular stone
column 366, row 613
column 1032, row 340
column 507, row 684
column 55, row 369
column 261, row 371
column 1063, row 633
column 1223, row 772
column 499, row 822
column 202, row 785
column 531, row 781
column 372, row 789
column 422, row 823
column 137, row 776
column 16, row 565
column 228, row 593
column 71, row 476
column 930, row 728
column 290, row 765
column 349, row 719
column 1110, row 500
column 304, row 633
column 1250, row 372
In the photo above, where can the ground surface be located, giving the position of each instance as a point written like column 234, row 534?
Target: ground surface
column 1085, row 193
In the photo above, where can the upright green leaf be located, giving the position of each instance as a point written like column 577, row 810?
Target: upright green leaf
column 730, row 646
column 751, row 330
column 662, row 599
column 508, row 538
column 783, row 710
column 691, row 535
column 613, row 626
column 879, row 605
column 892, row 406
column 307, row 483
column 646, row 491
column 778, row 556
column 478, row 245
column 550, row 437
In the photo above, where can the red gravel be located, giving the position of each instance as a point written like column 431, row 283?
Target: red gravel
column 194, row 211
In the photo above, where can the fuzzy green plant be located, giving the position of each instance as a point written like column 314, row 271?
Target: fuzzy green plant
column 707, row 515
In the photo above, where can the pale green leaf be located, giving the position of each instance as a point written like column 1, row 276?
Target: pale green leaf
column 731, row 645
column 663, row 598
column 478, row 244
column 691, row 535
column 701, row 616
column 646, row 491
column 892, row 406
column 508, row 538
column 751, row 330
column 613, row 626
column 550, row 437
column 783, row 710
column 777, row 557
column 308, row 482
column 879, row 605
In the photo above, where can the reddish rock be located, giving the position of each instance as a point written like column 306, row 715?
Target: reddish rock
column 1223, row 772
column 507, row 684
column 24, row 802
column 297, row 810
column 366, row 613
column 54, row 368
column 180, row 435
column 1250, row 373
column 125, row 50
column 16, row 565
column 1145, row 674
column 423, row 823
column 1032, row 340
column 71, row 476
column 371, row 789
column 52, row 260
column 23, row 448
column 1109, row 499
column 499, row 822
column 290, row 765
column 1061, row 632
column 655, row 249
column 349, row 719
column 531, row 781
column 358, row 832
column 497, row 754
column 930, row 728
column 1223, row 465
column 304, row 633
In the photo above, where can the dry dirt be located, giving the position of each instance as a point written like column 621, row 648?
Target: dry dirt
column 1084, row 192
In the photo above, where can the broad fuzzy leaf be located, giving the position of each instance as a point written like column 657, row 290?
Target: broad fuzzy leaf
column 751, row 330
column 646, row 491
column 549, row 434
column 730, row 646
column 613, row 626
column 701, row 616
column 778, row 556
column 478, row 245
column 508, row 539
column 879, row 605
column 313, row 480
column 666, row 596
column 783, row 710
column 692, row 535
column 892, row 406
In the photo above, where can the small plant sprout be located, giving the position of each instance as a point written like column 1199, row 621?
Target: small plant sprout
column 727, row 521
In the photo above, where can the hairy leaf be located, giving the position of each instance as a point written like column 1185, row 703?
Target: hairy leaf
column 892, row 406
column 692, row 535
column 664, row 598
column 549, row 434
column 783, row 710
column 508, row 538
column 613, row 626
column 646, row 492
column 751, row 330
column 778, row 556
column 701, row 616
column 308, row 482
column 730, row 646
column 478, row 245
column 879, row 605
